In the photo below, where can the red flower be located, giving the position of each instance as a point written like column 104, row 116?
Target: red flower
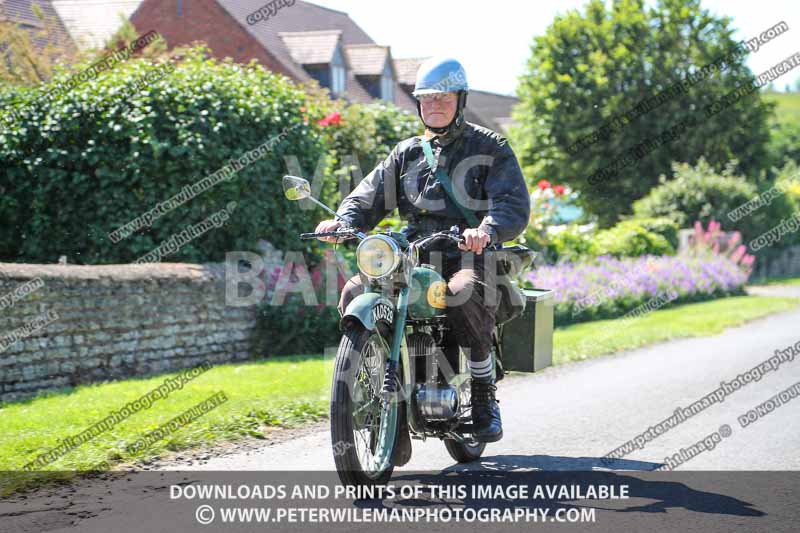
column 334, row 118
column 558, row 189
column 544, row 184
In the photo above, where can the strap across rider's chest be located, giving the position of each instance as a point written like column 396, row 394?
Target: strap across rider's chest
column 444, row 179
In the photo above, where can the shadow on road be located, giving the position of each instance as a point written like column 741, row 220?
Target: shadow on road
column 668, row 490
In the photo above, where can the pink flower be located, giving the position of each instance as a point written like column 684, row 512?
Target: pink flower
column 543, row 184
column 559, row 190
column 739, row 253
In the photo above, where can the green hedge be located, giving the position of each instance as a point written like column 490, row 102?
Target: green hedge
column 92, row 159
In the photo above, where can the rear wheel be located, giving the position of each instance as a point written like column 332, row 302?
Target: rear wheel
column 464, row 452
column 357, row 410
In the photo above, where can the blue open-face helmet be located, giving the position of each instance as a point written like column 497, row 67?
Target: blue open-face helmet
column 442, row 75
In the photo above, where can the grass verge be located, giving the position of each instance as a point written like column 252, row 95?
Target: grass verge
column 288, row 391
column 783, row 281
column 583, row 341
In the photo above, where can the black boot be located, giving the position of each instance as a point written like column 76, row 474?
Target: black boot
column 487, row 426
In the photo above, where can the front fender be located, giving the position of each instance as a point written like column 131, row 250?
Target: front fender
column 367, row 308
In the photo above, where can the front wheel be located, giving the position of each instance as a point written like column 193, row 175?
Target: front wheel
column 357, row 410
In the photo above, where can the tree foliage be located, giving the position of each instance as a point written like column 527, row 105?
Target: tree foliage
column 29, row 54
column 593, row 66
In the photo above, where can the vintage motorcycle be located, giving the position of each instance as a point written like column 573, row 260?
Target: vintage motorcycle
column 392, row 365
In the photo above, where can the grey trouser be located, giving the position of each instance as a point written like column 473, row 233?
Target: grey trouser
column 472, row 299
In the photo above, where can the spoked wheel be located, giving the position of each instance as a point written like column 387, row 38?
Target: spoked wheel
column 469, row 450
column 361, row 424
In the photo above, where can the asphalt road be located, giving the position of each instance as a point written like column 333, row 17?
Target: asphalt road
column 562, row 420
column 569, row 417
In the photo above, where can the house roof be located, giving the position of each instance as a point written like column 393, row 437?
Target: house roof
column 91, row 23
column 296, row 35
column 300, row 17
column 22, row 12
column 407, row 68
column 305, row 21
column 496, row 106
column 311, row 47
column 367, row 59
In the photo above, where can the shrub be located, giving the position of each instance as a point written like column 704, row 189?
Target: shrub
column 788, row 181
column 710, row 242
column 550, row 205
column 358, row 138
column 665, row 227
column 88, row 161
column 698, row 193
column 571, row 245
column 784, row 143
column 392, row 125
column 292, row 325
column 631, row 239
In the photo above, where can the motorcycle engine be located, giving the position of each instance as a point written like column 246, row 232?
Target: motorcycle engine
column 436, row 401
column 437, row 404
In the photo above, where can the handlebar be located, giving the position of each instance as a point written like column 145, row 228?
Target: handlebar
column 342, row 234
column 451, row 234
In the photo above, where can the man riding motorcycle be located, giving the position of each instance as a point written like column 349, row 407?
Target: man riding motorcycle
column 482, row 182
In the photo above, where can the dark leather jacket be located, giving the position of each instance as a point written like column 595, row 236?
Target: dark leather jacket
column 483, row 169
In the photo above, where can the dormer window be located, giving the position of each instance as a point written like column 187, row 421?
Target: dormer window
column 387, row 84
column 338, row 73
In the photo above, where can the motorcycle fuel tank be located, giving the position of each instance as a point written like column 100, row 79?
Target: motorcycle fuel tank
column 428, row 290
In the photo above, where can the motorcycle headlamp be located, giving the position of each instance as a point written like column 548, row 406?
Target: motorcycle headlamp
column 378, row 256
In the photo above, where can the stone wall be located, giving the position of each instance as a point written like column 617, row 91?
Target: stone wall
column 63, row 325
